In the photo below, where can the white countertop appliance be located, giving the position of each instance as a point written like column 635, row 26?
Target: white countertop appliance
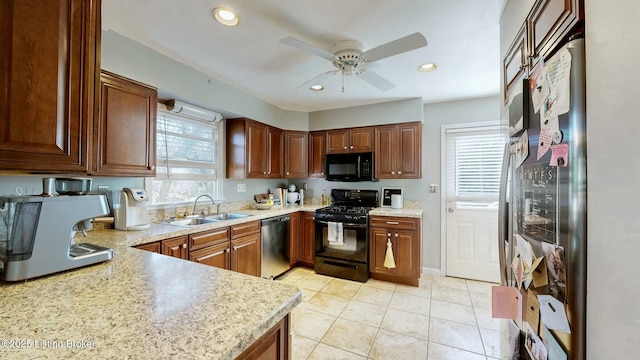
column 130, row 209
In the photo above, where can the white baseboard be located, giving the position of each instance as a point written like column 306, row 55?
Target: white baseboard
column 431, row 271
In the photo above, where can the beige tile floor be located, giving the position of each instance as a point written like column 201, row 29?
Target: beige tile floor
column 444, row 318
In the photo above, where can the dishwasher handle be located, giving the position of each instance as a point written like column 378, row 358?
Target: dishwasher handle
column 276, row 219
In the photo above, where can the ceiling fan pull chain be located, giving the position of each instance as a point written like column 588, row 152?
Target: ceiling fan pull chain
column 343, row 82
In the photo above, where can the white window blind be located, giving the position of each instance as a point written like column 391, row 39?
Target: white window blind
column 187, row 157
column 474, row 160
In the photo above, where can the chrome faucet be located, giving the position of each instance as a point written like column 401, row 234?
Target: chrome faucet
column 196, row 202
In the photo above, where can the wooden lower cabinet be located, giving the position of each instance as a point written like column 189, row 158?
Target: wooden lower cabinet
column 294, row 239
column 274, row 345
column 404, row 235
column 176, row 247
column 153, row 247
column 245, row 254
column 307, row 245
column 216, row 255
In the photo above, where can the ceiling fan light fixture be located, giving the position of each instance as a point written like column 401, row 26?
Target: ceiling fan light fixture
column 427, row 67
column 225, row 16
column 316, row 87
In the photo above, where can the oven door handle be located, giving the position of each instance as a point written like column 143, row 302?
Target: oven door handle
column 351, row 225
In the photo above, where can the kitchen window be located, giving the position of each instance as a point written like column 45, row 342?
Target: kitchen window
column 474, row 160
column 188, row 159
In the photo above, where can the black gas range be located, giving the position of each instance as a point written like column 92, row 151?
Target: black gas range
column 342, row 234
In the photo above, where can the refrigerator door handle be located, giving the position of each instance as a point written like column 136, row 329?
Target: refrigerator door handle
column 502, row 213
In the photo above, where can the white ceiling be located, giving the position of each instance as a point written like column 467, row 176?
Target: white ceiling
column 463, row 40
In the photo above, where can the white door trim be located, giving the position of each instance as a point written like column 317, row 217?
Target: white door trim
column 443, row 184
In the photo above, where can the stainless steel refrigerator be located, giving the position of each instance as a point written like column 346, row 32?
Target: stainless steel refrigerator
column 543, row 196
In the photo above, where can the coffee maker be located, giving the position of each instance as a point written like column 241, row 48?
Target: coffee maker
column 130, row 209
column 36, row 234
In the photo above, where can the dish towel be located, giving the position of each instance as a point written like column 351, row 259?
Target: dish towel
column 335, row 236
column 388, row 258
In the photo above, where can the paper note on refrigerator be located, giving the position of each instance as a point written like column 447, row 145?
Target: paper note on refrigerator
column 558, row 71
column 538, row 87
column 555, row 349
column 525, row 250
column 553, row 314
column 559, row 155
column 506, row 302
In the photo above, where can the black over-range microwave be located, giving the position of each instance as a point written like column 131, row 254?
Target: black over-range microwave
column 349, row 167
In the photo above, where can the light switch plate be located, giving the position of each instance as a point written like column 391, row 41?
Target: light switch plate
column 433, row 188
column 241, row 187
column 102, row 189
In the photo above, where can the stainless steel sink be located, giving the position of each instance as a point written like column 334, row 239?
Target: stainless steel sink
column 195, row 221
column 227, row 216
column 192, row 222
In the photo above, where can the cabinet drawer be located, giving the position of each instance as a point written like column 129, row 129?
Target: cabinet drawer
column 203, row 239
column 245, row 229
column 394, row 222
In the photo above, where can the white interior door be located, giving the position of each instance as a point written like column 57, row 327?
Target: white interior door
column 473, row 160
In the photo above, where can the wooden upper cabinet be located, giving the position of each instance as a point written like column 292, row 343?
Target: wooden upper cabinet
column 355, row 140
column 515, row 63
column 254, row 150
column 48, row 76
column 317, row 146
column 296, row 155
column 398, row 151
column 124, row 140
column 550, row 21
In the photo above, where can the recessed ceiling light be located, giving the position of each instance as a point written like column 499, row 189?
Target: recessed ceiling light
column 316, row 87
column 225, row 16
column 427, row 67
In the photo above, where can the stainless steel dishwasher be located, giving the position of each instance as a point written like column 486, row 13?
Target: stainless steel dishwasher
column 275, row 246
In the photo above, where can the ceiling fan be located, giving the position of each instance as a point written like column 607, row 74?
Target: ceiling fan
column 349, row 57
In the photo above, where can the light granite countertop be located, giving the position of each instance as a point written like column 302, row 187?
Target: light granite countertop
column 140, row 305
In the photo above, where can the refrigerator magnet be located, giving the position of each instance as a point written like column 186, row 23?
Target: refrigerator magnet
column 522, row 151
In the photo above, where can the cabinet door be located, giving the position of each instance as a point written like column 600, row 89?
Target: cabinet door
column 317, row 144
column 216, row 255
column 385, row 157
column 275, row 344
column 406, row 253
column 514, row 64
column 208, row 238
column 378, row 250
column 48, row 66
column 256, row 143
column 295, row 238
column 176, row 247
column 409, row 154
column 307, row 251
column 275, row 153
column 361, row 139
column 337, row 141
column 550, row 22
column 124, row 142
column 296, row 159
column 153, row 247
column 245, row 255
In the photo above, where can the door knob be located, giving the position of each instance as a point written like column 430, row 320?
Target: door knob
column 450, row 210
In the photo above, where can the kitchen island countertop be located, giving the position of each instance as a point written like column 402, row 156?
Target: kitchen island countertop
column 140, row 305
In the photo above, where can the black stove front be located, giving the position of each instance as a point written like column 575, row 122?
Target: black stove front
column 342, row 234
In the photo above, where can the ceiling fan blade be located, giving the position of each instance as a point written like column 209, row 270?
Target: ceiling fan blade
column 395, row 47
column 376, row 80
column 319, row 79
column 299, row 44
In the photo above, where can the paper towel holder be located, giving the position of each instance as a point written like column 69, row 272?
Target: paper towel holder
column 385, row 199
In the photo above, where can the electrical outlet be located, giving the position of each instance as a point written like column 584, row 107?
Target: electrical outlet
column 241, row 187
column 433, row 188
column 102, row 189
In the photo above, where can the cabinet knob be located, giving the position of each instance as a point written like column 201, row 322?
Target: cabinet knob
column 226, row 250
column 184, row 246
column 393, row 173
column 287, row 173
column 153, row 168
column 264, row 173
column 396, row 234
column 389, row 234
column 351, row 147
column 399, row 172
column 269, row 173
column 345, row 148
